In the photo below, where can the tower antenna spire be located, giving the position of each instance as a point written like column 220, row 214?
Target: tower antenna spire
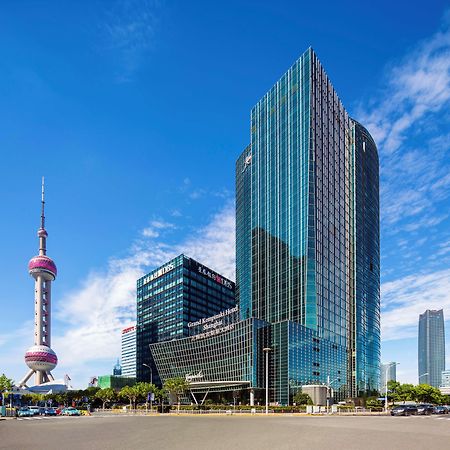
column 43, row 205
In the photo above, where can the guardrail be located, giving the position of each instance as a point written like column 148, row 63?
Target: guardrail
column 138, row 412
column 7, row 412
column 219, row 411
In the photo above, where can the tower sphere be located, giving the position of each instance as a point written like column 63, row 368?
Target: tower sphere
column 41, row 357
column 42, row 233
column 42, row 263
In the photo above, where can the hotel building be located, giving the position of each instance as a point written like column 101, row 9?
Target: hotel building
column 168, row 299
column 307, row 251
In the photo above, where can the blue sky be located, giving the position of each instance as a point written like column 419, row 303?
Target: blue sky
column 135, row 112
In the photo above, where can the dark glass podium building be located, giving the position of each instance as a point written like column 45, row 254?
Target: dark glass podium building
column 307, row 236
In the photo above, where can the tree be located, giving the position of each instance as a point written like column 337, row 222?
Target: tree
column 131, row 393
column 61, row 398
column 425, row 393
column 176, row 387
column 6, row 385
column 106, row 395
column 36, row 399
column 373, row 402
column 143, row 389
column 404, row 392
column 302, row 399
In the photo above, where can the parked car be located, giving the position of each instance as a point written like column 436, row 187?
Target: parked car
column 24, row 411
column 440, row 410
column 404, row 410
column 36, row 410
column 70, row 411
column 425, row 409
column 49, row 412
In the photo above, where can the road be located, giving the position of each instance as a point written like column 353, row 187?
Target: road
column 226, row 432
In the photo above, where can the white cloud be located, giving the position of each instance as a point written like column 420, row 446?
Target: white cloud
column 162, row 224
column 444, row 248
column 405, row 298
column 214, row 244
column 149, row 232
column 129, row 31
column 94, row 313
column 156, row 228
column 417, row 86
column 411, row 131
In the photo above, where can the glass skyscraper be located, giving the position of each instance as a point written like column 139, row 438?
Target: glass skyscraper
column 168, row 299
column 307, row 236
column 431, row 347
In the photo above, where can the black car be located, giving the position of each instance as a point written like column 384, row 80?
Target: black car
column 440, row 410
column 425, row 409
column 404, row 410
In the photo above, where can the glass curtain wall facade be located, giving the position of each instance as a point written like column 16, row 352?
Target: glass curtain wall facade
column 308, row 187
column 431, row 347
column 168, row 298
column 367, row 261
column 243, row 239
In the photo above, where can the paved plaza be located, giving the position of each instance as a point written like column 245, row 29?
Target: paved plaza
column 226, row 432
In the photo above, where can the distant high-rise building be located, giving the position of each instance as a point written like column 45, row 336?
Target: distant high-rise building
column 431, row 351
column 117, row 370
column 129, row 352
column 445, row 380
column 168, row 298
column 391, row 368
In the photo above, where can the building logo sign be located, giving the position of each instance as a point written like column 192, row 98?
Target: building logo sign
column 214, row 319
column 194, row 377
column 247, row 162
column 214, row 276
column 159, row 273
column 127, row 330
column 214, row 325
column 214, row 332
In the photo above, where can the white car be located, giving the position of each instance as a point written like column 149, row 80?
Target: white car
column 36, row 410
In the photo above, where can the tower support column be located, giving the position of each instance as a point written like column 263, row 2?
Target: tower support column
column 39, row 292
column 48, row 312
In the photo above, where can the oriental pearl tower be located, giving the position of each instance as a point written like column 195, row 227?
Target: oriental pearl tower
column 40, row 358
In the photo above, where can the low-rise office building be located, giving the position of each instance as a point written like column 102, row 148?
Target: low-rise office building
column 129, row 351
column 180, row 292
column 114, row 381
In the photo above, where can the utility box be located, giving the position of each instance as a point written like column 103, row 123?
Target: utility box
column 318, row 393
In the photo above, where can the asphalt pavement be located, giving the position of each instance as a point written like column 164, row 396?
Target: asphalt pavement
column 107, row 432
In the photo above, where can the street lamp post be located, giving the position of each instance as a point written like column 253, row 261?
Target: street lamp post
column 266, row 350
column 386, row 383
column 423, row 375
column 328, row 391
column 151, row 382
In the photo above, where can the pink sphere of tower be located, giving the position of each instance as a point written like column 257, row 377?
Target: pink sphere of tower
column 41, row 357
column 42, row 263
